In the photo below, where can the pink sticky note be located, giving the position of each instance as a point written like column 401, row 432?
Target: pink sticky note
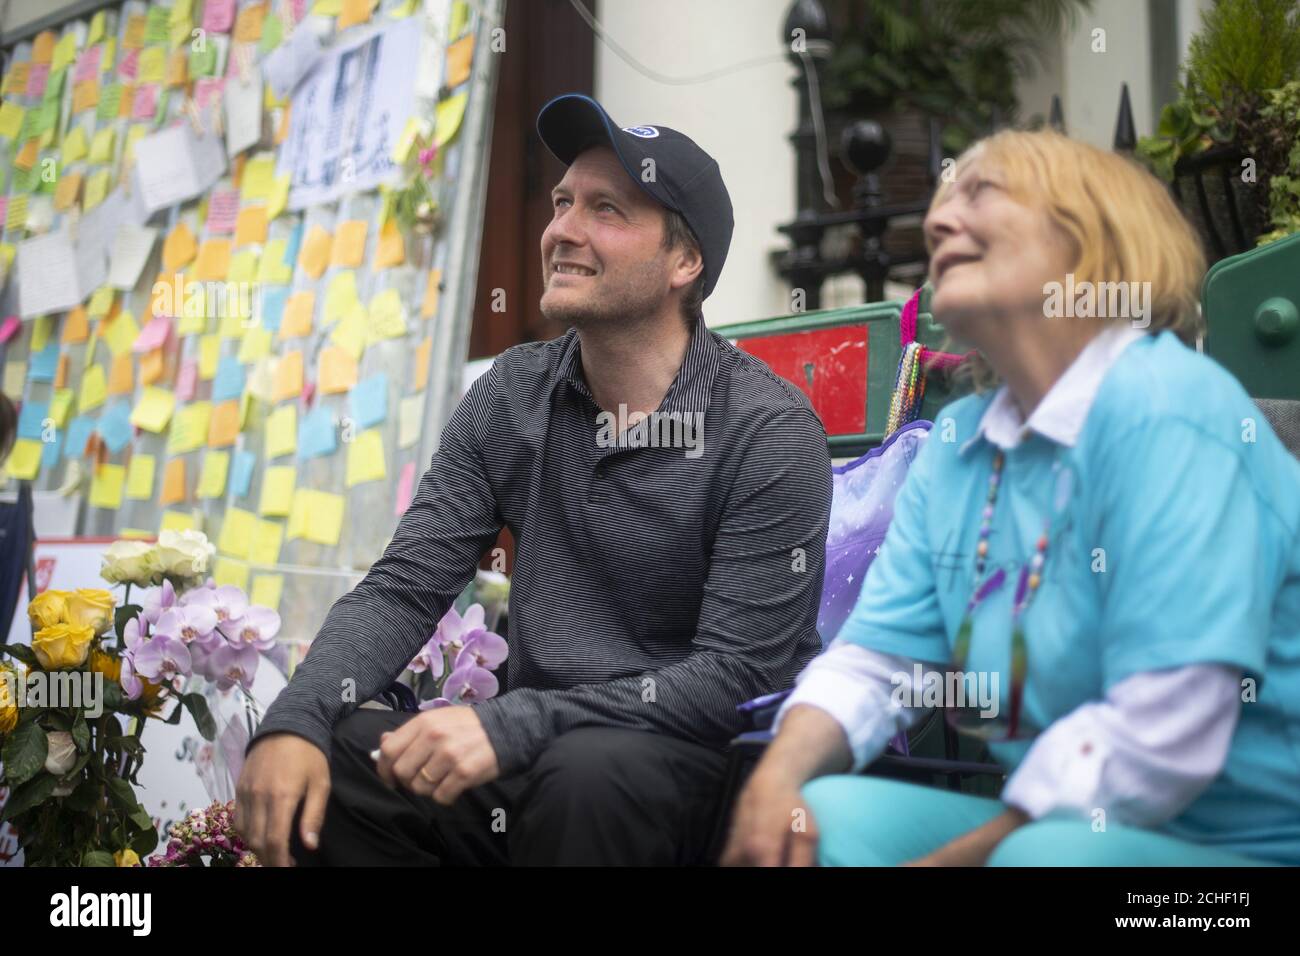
column 37, row 78
column 9, row 328
column 207, row 89
column 223, row 208
column 187, row 380
column 405, row 485
column 218, row 15
column 145, row 104
column 129, row 68
column 153, row 335
column 298, row 8
column 87, row 64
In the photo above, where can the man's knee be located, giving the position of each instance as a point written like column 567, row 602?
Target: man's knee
column 357, row 735
column 589, row 760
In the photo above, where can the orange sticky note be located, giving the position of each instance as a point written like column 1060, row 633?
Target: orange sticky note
column 250, row 227
column 178, row 248
column 213, row 262
column 354, row 12
column 26, row 157
column 349, row 247
column 173, row 488
column 288, row 377
column 338, row 370
column 43, row 47
column 151, row 366
column 314, row 255
column 392, row 250
column 61, row 372
column 85, row 95
column 429, row 307
column 422, row 353
column 459, row 55
column 65, row 193
column 121, row 375
column 178, row 69
column 76, row 326
column 223, row 426
column 248, row 26
column 295, row 322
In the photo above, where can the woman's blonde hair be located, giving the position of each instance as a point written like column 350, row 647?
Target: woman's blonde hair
column 1121, row 221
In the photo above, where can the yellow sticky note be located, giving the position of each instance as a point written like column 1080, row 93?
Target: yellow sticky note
column 288, row 377
column 279, row 196
column 272, row 269
column 65, row 51
column 282, row 431
column 351, row 335
column 341, row 297
column 178, row 248
column 250, row 226
column 387, row 316
column 154, row 410
column 410, row 416
column 94, row 389
column 277, row 490
column 259, row 175
column 213, row 262
column 429, row 305
column 349, row 246
column 212, row 479
column 237, row 531
column 327, row 8
column 41, row 328
column 75, row 146
column 120, row 333
column 139, row 477
column 316, row 516
column 243, row 267
column 25, row 459
column 314, row 254
column 267, row 590
column 296, row 321
column 392, row 249
column 209, row 356
column 447, row 119
column 338, row 370
column 152, row 67
column 61, row 406
column 100, row 302
column 106, row 488
column 255, row 345
column 229, row 572
column 366, row 458
column 267, row 540
column 177, row 521
column 96, row 29
column 189, row 428
column 11, row 119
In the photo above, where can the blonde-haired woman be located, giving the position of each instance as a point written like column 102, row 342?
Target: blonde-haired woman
column 1098, row 562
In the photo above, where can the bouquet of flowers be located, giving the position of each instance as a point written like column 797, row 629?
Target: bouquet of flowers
column 206, row 838
column 459, row 659
column 69, row 761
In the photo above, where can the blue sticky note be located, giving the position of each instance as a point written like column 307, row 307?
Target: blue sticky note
column 241, row 472
column 79, row 431
column 294, row 244
column 316, row 435
column 44, row 364
column 229, row 381
column 273, row 299
column 370, row 401
column 115, row 426
column 31, row 418
column 50, row 452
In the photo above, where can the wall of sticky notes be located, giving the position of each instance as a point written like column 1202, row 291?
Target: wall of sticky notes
column 288, row 419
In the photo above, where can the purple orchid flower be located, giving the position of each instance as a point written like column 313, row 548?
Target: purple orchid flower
column 230, row 665
column 157, row 600
column 161, row 658
column 453, row 630
column 228, row 602
column 257, row 628
column 430, row 658
column 435, row 703
column 469, row 684
column 483, row 649
column 188, row 623
column 131, row 684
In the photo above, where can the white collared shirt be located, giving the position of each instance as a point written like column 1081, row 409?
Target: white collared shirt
column 1143, row 754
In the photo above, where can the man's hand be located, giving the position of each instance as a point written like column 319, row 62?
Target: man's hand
column 975, row 847
column 772, row 826
column 439, row 753
column 282, row 771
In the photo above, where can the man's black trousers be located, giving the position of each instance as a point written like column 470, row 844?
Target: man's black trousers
column 596, row 796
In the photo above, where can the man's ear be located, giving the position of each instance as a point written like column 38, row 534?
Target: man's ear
column 688, row 264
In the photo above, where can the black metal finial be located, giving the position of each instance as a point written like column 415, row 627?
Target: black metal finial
column 810, row 17
column 1057, row 118
column 1125, row 133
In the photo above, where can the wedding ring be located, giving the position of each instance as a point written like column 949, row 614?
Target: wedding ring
column 424, row 772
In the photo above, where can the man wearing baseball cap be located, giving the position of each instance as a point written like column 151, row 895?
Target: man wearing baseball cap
column 669, row 498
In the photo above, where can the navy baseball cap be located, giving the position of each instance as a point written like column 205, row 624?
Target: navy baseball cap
column 686, row 178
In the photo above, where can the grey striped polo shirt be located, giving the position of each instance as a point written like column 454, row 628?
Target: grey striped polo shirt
column 661, row 576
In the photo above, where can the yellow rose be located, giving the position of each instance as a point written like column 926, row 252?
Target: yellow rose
column 8, row 698
column 92, row 608
column 106, row 664
column 48, row 608
column 62, row 646
column 126, row 857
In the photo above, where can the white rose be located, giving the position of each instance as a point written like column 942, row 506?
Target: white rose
column 62, row 753
column 184, row 554
column 130, row 562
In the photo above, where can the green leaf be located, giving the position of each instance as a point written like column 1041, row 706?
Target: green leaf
column 21, row 652
column 24, row 753
column 84, row 798
column 97, row 858
column 202, row 716
column 29, row 795
column 122, row 793
column 145, row 842
column 81, row 733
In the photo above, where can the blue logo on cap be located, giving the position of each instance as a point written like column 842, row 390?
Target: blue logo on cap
column 645, row 132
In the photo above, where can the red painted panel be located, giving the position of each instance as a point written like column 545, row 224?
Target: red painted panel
column 829, row 365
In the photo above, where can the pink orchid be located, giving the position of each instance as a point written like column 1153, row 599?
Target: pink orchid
column 189, row 623
column 257, row 628
column 157, row 600
column 230, row 665
column 228, row 602
column 483, row 649
column 469, row 684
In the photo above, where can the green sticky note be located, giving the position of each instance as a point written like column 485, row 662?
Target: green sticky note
column 110, row 102
column 156, row 27
column 54, row 88
column 272, row 34
column 203, row 62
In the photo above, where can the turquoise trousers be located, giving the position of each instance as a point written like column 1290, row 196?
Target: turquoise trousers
column 869, row 821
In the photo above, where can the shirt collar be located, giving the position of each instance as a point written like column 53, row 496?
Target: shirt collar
column 691, row 387
column 1060, row 415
